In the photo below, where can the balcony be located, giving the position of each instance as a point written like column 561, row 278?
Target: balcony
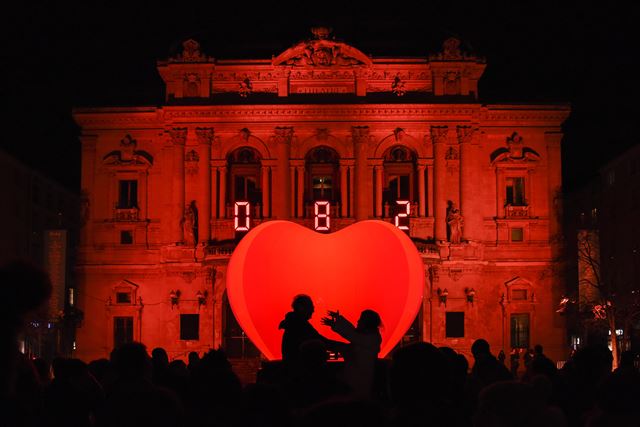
column 127, row 215
column 516, row 212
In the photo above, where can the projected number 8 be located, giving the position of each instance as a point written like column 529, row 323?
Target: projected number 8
column 241, row 216
column 322, row 219
column 402, row 218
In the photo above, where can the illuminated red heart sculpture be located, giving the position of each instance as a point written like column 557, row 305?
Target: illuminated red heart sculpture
column 370, row 264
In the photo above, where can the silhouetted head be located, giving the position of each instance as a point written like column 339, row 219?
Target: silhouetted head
column 132, row 361
column 369, row 321
column 538, row 349
column 193, row 357
column 480, row 347
column 159, row 357
column 303, row 305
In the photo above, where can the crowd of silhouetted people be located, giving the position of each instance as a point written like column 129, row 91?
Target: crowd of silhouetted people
column 418, row 385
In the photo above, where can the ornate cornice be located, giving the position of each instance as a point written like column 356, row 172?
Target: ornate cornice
column 283, row 134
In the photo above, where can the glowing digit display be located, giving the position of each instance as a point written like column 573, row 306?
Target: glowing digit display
column 322, row 219
column 402, row 215
column 241, row 216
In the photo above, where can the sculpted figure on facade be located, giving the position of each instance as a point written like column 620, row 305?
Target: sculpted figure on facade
column 190, row 53
column 189, row 224
column 455, row 221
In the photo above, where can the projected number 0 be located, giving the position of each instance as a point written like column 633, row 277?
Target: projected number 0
column 241, row 216
column 402, row 218
column 322, row 219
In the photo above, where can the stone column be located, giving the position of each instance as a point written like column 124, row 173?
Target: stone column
column 378, row 171
column 265, row 191
column 430, row 190
column 205, row 136
column 439, row 139
column 343, row 190
column 178, row 139
column 360, row 135
column 469, row 188
column 223, row 191
column 282, row 182
column 214, row 192
column 422, row 212
column 292, row 191
column 351, row 192
column 300, row 170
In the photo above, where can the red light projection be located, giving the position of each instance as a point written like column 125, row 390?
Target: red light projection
column 241, row 216
column 322, row 219
column 370, row 264
column 405, row 214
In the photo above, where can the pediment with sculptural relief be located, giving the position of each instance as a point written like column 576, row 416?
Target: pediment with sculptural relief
column 322, row 51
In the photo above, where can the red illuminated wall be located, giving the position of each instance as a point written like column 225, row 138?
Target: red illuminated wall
column 236, row 131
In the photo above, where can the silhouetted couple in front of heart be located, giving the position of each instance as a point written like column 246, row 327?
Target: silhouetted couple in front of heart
column 360, row 353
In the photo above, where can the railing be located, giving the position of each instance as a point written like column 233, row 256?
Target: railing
column 511, row 211
column 129, row 214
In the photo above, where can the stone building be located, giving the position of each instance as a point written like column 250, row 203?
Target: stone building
column 166, row 188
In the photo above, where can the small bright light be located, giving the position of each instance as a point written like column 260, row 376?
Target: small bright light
column 71, row 299
column 404, row 214
column 74, row 345
column 246, row 216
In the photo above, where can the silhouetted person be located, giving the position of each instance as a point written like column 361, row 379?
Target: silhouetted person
column 297, row 328
column 194, row 359
column 361, row 354
column 501, row 357
column 515, row 362
column 24, row 288
column 74, row 397
column 159, row 363
column 541, row 365
column 419, row 383
column 134, row 400
column 486, row 368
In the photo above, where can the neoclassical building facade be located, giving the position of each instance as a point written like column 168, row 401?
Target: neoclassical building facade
column 319, row 130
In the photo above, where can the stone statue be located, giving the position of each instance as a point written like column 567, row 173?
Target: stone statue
column 455, row 221
column 189, row 224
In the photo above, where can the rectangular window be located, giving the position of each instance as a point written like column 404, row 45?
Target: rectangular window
column 454, row 324
column 515, row 192
column 520, row 330
column 123, row 297
column 126, row 237
column 517, row 234
column 128, row 194
column 189, row 326
column 122, row 330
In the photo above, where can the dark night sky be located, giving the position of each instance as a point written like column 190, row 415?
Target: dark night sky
column 56, row 55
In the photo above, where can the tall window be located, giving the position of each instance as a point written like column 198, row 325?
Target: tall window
column 122, row 330
column 189, row 326
column 520, row 330
column 515, row 192
column 245, row 189
column 455, row 324
column 128, row 194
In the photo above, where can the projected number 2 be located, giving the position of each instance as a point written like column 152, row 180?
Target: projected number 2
column 402, row 218
column 241, row 216
column 322, row 218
